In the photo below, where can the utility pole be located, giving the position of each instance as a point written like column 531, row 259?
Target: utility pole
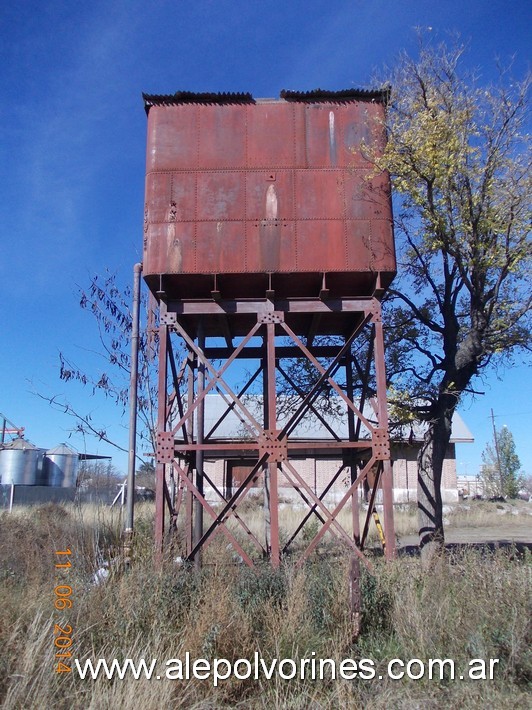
column 501, row 476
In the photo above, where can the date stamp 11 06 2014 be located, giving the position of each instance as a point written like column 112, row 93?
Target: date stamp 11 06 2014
column 62, row 601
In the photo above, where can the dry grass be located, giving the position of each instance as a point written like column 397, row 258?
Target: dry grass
column 469, row 606
column 478, row 513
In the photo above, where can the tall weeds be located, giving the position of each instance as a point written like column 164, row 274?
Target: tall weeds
column 472, row 605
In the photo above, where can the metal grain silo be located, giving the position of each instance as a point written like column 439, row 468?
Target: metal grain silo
column 61, row 466
column 21, row 463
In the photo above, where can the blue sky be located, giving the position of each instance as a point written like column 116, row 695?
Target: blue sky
column 73, row 153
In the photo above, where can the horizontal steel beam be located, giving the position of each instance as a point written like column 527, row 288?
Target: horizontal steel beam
column 291, row 446
column 285, row 352
column 244, row 306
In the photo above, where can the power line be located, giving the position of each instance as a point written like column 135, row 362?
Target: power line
column 510, row 414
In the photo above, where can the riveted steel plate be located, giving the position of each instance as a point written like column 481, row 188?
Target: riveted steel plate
column 271, row 317
column 270, row 444
column 165, row 447
column 268, row 187
column 381, row 444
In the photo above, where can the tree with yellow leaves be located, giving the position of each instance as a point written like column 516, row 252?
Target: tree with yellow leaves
column 459, row 159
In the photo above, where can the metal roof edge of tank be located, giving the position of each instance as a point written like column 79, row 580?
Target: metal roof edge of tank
column 19, row 443
column 191, row 97
column 62, row 450
column 381, row 95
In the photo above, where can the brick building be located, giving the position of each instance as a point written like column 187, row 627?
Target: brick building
column 318, row 471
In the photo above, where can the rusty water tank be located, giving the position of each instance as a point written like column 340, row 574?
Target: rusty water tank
column 21, row 463
column 61, row 466
column 246, row 197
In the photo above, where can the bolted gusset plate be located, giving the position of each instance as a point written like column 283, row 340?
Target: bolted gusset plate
column 270, row 444
column 271, row 317
column 381, row 444
column 165, row 447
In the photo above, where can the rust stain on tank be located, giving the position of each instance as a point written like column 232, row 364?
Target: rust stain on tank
column 173, row 245
column 270, row 233
column 332, row 139
column 271, row 203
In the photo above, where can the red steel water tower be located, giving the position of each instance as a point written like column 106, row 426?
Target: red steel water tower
column 267, row 226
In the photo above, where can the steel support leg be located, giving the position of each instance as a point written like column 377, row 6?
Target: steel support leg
column 271, row 424
column 387, row 480
column 200, row 456
column 189, row 500
column 161, row 427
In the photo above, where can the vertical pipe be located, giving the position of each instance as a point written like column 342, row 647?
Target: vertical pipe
column 133, row 398
column 387, row 475
column 200, row 455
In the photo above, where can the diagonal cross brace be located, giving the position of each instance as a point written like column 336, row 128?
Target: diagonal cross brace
column 217, row 377
column 325, row 374
column 235, row 514
column 311, row 406
column 220, row 524
column 231, row 505
column 313, row 508
column 231, row 406
column 331, row 517
column 337, row 510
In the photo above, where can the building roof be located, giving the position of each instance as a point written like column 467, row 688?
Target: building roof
column 460, row 433
column 311, row 427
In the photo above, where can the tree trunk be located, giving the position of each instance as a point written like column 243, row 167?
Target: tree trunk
column 430, row 468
